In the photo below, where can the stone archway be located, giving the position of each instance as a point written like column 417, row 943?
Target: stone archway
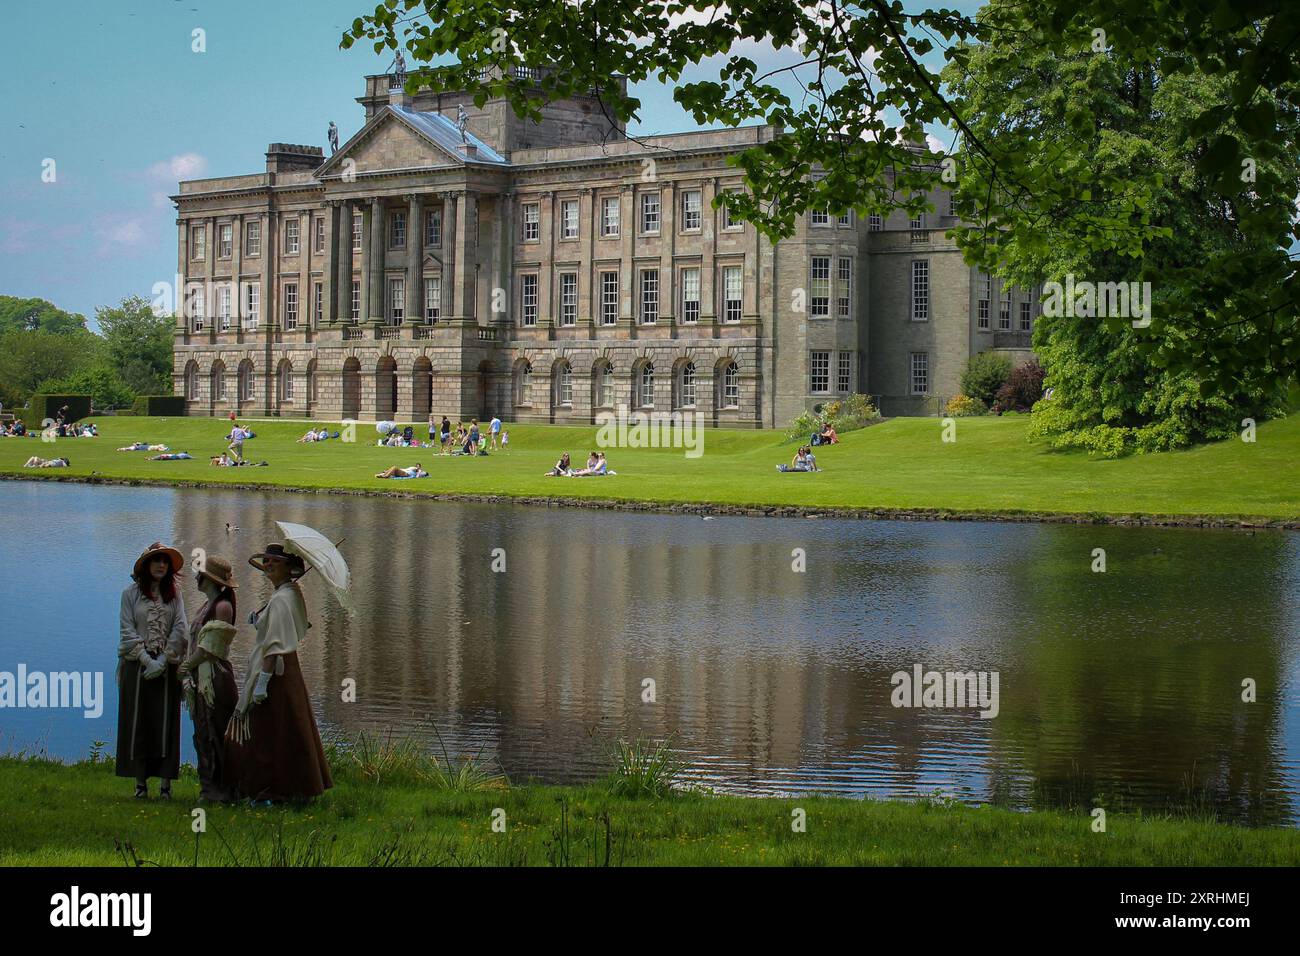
column 386, row 389
column 352, row 389
column 421, row 389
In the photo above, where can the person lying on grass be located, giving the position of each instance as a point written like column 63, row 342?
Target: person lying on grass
column 144, row 446
column 35, row 462
column 415, row 471
column 171, row 456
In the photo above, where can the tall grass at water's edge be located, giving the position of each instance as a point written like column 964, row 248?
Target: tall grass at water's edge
column 395, row 805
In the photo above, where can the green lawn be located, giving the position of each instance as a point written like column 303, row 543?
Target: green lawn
column 77, row 815
column 992, row 468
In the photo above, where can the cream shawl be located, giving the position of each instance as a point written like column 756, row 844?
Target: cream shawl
column 280, row 628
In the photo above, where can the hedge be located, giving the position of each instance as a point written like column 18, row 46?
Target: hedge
column 41, row 407
column 166, row 406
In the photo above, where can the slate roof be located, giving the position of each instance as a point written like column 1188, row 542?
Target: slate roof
column 445, row 133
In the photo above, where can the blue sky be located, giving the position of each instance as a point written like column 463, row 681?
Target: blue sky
column 112, row 92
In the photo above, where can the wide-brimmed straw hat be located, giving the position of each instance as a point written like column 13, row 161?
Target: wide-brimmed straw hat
column 297, row 567
column 154, row 550
column 217, row 570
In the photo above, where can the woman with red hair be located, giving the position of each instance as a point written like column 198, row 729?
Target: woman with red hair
column 153, row 636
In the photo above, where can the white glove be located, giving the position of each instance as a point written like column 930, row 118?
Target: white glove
column 154, row 667
column 260, row 688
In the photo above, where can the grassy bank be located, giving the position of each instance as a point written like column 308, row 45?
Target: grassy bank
column 992, row 468
column 80, row 815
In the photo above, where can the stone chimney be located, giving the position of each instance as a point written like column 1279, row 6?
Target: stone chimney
column 287, row 157
column 397, row 96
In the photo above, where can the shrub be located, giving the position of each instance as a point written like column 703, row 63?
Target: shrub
column 1023, row 387
column 41, row 407
column 985, row 373
column 963, row 406
column 845, row 415
column 168, row 406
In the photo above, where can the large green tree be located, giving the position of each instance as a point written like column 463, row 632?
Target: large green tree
column 1128, row 131
column 30, row 358
column 32, row 314
column 139, row 344
column 867, row 71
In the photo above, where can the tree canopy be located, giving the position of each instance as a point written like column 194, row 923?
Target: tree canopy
column 857, row 86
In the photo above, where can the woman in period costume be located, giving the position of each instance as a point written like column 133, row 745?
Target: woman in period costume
column 207, row 677
column 274, row 750
column 149, row 696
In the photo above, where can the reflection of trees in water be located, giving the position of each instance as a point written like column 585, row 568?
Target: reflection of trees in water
column 775, row 678
column 1132, row 677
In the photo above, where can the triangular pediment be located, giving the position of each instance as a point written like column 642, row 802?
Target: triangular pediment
column 386, row 143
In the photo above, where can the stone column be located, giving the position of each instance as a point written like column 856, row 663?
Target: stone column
column 466, row 257
column 271, row 240
column 449, row 221
column 708, row 246
column 375, row 263
column 330, row 267
column 236, row 268
column 183, row 320
column 627, row 233
column 588, row 217
column 546, row 207
column 506, row 218
column 307, row 229
column 209, row 266
column 414, row 266
column 343, row 262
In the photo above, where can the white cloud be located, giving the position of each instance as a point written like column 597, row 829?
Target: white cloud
column 181, row 166
column 119, row 233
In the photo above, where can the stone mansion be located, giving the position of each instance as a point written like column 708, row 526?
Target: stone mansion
column 545, row 271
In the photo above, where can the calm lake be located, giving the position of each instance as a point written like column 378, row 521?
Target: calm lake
column 1121, row 689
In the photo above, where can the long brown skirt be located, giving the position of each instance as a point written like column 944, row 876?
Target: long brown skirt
column 210, row 732
column 283, row 759
column 148, row 723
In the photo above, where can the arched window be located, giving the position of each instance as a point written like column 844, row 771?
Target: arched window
column 191, row 381
column 247, row 383
column 686, row 385
column 218, row 389
column 523, row 382
column 562, row 383
column 646, row 386
column 729, row 396
column 286, row 381
column 604, row 373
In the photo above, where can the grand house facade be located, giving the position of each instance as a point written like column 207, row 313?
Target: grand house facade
column 546, row 271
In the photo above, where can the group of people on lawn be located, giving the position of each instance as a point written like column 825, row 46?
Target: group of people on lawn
column 256, row 738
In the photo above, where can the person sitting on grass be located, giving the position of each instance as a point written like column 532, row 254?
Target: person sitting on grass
column 827, row 436
column 415, row 471
column 309, row 436
column 592, row 460
column 562, row 467
column 596, row 465
column 35, row 462
column 802, row 461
